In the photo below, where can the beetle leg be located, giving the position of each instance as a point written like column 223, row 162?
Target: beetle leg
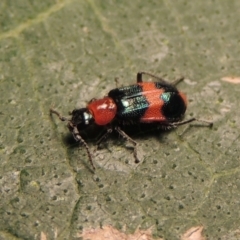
column 78, row 138
column 209, row 124
column 177, row 81
column 116, row 82
column 92, row 100
column 139, row 77
column 103, row 137
column 125, row 136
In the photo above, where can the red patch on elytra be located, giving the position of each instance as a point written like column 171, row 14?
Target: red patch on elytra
column 152, row 94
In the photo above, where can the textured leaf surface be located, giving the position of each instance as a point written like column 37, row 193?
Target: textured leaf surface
column 64, row 53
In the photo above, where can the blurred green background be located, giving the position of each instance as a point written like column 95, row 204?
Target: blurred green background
column 62, row 53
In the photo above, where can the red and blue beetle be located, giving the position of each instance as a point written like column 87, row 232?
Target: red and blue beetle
column 144, row 102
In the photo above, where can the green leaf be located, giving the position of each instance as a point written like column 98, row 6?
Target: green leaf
column 64, row 53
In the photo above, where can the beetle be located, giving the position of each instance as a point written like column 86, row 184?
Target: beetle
column 157, row 102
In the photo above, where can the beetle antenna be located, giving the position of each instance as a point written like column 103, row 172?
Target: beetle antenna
column 53, row 111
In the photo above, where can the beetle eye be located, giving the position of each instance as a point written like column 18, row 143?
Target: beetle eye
column 174, row 106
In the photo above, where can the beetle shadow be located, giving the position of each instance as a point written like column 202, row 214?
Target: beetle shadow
column 137, row 132
column 91, row 135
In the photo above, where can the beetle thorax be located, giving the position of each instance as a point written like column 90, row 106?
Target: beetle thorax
column 103, row 110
